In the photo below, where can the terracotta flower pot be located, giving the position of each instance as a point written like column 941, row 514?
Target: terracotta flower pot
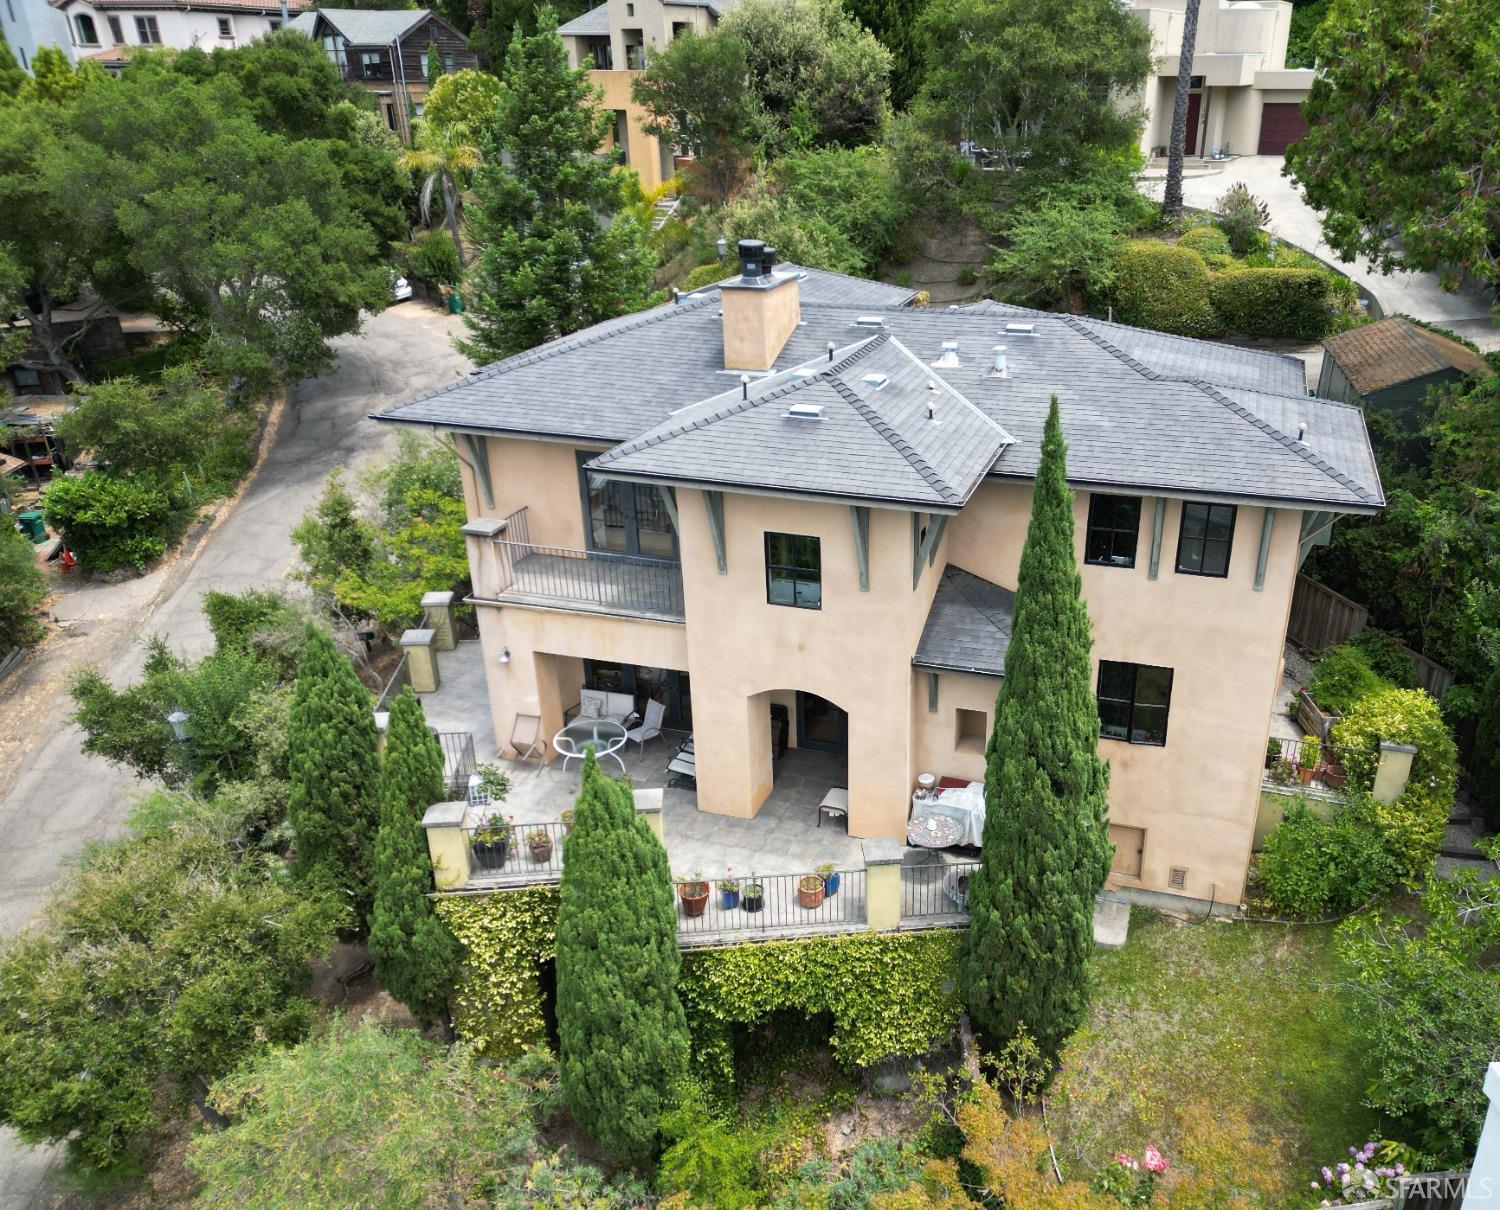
column 1304, row 774
column 541, row 850
column 694, row 896
column 1334, row 776
column 810, row 891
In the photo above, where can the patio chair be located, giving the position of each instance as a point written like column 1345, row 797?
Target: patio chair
column 684, row 765
column 525, row 738
column 650, row 727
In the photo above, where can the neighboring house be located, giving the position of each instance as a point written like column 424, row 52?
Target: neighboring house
column 110, row 31
column 1390, row 364
column 792, row 492
column 385, row 52
column 29, row 24
column 1244, row 99
column 614, row 41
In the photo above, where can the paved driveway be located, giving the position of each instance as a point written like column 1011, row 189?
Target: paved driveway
column 55, row 798
column 1293, row 219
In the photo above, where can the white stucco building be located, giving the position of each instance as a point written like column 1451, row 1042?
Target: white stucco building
column 29, row 24
column 1244, row 99
column 109, row 30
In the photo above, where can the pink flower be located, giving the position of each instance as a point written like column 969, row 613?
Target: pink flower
column 1127, row 1162
column 1154, row 1162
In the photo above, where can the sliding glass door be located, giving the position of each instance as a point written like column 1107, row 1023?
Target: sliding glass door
column 625, row 518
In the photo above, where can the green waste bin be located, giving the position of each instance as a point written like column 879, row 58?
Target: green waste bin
column 456, row 303
column 32, row 526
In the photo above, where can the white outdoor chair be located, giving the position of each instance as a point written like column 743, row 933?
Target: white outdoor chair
column 650, row 726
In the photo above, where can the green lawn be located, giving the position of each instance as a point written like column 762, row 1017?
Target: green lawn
column 1196, row 1023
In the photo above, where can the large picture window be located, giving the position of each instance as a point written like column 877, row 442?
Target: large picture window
column 794, row 571
column 1114, row 523
column 1133, row 702
column 1207, row 534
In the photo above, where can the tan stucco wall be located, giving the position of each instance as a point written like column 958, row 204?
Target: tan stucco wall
column 934, row 732
column 1273, row 808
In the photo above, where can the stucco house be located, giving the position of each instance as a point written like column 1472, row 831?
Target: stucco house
column 795, row 495
column 384, row 51
column 1244, row 99
column 109, row 31
column 29, row 25
column 614, row 41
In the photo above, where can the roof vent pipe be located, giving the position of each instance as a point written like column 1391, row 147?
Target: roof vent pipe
column 830, row 352
column 931, row 399
column 744, row 386
column 999, row 369
column 1302, row 431
column 949, row 359
column 753, row 258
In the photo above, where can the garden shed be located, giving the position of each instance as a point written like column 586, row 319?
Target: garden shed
column 1390, row 364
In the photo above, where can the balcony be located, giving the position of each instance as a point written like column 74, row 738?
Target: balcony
column 590, row 581
column 1292, row 767
column 355, row 71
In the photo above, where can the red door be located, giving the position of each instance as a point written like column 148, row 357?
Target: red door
column 1281, row 124
column 1190, row 140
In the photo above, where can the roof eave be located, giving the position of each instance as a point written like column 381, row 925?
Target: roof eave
column 701, row 484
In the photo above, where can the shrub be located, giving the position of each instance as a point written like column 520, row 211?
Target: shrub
column 705, row 275
column 1386, row 656
column 802, row 236
column 1413, row 824
column 1342, row 677
column 1056, row 253
column 855, row 189
column 22, row 587
column 1241, row 216
column 112, row 521
column 1164, row 287
column 1312, row 866
column 434, row 260
column 1272, row 302
column 1206, row 241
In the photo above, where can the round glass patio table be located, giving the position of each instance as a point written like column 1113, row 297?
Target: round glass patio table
column 607, row 736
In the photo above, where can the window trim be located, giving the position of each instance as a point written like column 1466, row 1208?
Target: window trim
column 1088, row 530
column 147, row 31
column 226, row 28
column 797, row 571
column 116, row 30
column 1132, row 702
column 1234, row 520
column 78, row 20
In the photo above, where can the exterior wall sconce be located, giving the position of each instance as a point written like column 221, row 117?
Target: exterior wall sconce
column 505, row 655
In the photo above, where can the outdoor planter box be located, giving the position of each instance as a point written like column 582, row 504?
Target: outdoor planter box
column 1314, row 719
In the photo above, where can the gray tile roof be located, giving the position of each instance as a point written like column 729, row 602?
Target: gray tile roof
column 1129, row 425
column 593, row 24
column 363, row 26
column 968, row 625
column 873, row 438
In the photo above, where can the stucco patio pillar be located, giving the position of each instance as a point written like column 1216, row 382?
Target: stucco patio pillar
column 732, row 749
column 882, row 883
column 421, row 659
column 1393, row 771
column 447, row 846
column 437, row 615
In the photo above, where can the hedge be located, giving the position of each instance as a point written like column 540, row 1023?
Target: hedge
column 112, row 521
column 1164, row 286
column 1413, row 824
column 705, row 275
column 1206, row 241
column 1272, row 302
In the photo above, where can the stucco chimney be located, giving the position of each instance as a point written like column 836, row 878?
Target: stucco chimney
column 761, row 310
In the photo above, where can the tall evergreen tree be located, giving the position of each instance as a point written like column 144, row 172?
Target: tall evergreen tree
column 560, row 250
column 415, row 957
column 334, row 766
column 622, row 1029
column 1046, row 847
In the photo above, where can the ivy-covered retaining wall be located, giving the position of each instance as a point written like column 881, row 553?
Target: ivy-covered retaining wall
column 889, row 994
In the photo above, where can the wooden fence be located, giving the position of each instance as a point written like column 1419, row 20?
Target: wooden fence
column 1322, row 618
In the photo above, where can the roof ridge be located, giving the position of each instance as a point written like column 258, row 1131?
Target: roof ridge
column 1139, row 366
column 1290, row 443
column 895, row 440
column 1197, row 340
column 1419, row 338
column 962, row 590
column 735, row 407
column 934, row 371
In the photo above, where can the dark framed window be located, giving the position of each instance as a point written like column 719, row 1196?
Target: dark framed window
column 371, row 64
column 449, row 62
column 626, row 518
column 1133, row 702
column 1114, row 525
column 147, row 32
column 115, row 31
column 794, row 571
column 87, row 33
column 1205, row 538
column 226, row 27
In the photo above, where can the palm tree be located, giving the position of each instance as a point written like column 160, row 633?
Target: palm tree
column 446, row 155
column 1171, row 206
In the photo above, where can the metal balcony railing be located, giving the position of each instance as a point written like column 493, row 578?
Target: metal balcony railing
column 1290, row 763
column 590, row 580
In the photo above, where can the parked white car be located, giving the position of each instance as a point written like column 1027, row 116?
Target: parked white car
column 400, row 289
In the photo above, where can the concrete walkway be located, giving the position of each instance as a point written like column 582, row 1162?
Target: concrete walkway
column 53, row 798
column 1294, row 220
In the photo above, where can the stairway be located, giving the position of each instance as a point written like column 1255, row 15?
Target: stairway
column 664, row 210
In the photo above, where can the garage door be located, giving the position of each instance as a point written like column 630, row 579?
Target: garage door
column 1280, row 126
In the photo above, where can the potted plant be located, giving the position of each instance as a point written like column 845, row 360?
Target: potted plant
column 694, row 894
column 539, row 841
column 491, row 841
column 729, row 891
column 752, row 898
column 1273, row 752
column 810, row 891
column 830, row 879
column 488, row 785
column 1283, row 771
column 567, row 819
column 1307, row 760
column 1333, row 774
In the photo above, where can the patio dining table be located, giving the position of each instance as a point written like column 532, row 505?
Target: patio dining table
column 606, row 736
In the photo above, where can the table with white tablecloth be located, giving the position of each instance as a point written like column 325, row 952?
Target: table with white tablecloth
column 965, row 804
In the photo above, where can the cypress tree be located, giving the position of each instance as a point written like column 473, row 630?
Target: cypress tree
column 561, row 251
column 415, row 957
column 621, row 1026
column 333, row 801
column 1046, row 847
